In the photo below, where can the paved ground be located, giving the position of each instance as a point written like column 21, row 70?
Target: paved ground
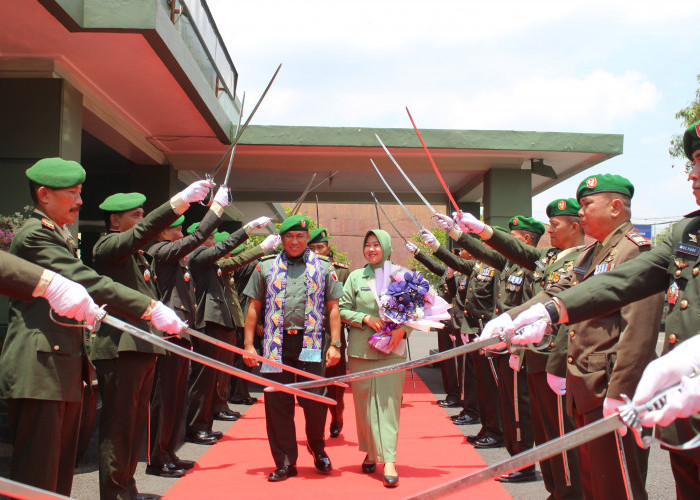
column 85, row 484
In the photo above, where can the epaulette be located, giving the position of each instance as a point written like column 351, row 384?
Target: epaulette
column 268, row 257
column 341, row 265
column 324, row 258
column 638, row 239
column 48, row 224
column 590, row 245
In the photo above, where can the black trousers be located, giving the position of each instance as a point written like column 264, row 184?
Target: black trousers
column 223, row 380
column 486, row 389
column 335, row 392
column 465, row 364
column 168, row 404
column 44, row 442
column 686, row 472
column 449, row 367
column 125, row 387
column 240, row 387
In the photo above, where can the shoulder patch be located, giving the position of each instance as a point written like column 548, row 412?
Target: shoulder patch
column 323, row 258
column 638, row 239
column 341, row 265
column 48, row 224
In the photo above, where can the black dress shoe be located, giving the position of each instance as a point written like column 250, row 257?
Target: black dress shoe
column 321, row 461
column 282, row 473
column 391, row 481
column 165, row 470
column 518, row 476
column 474, row 438
column 448, row 403
column 183, row 464
column 488, row 442
column 336, row 427
column 200, row 437
column 243, row 401
column 460, row 414
column 147, row 496
column 227, row 416
column 368, row 468
column 466, row 420
column 217, row 434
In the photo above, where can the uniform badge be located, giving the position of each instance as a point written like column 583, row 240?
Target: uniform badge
column 580, row 270
column 334, row 276
column 187, row 276
column 609, row 258
column 231, row 281
column 681, row 264
column 48, row 224
column 591, row 182
column 602, row 268
column 688, row 249
column 561, row 204
column 515, row 221
column 303, row 223
column 147, row 275
column 673, row 293
column 693, row 238
column 218, row 272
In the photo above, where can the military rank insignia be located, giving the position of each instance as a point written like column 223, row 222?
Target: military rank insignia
column 147, row 275
column 187, row 276
column 673, row 293
column 218, row 272
column 48, row 224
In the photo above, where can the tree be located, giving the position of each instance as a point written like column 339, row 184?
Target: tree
column 688, row 115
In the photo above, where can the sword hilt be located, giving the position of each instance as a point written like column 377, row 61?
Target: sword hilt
column 207, row 201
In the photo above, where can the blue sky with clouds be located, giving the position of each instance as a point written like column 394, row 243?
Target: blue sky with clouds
column 614, row 66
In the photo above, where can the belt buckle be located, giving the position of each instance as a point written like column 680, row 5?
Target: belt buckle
column 292, row 331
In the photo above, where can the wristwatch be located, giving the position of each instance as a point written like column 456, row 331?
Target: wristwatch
column 337, row 344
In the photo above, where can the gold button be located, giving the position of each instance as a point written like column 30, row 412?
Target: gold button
column 466, row 312
column 466, row 301
column 56, row 348
column 482, row 316
column 471, row 290
column 672, row 338
column 684, row 304
column 677, row 273
column 569, row 360
column 499, row 295
column 571, row 334
column 574, row 283
column 543, row 282
column 496, row 311
column 696, row 270
column 551, row 345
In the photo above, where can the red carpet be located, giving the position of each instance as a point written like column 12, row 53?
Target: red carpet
column 430, row 452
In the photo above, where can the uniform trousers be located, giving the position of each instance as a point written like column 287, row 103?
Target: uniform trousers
column 279, row 411
column 377, row 406
column 240, row 387
column 168, row 404
column 223, row 380
column 545, row 427
column 200, row 416
column 489, row 409
column 686, row 473
column 449, row 368
column 517, row 432
column 335, row 392
column 600, row 465
column 125, row 386
column 465, row 364
column 44, row 442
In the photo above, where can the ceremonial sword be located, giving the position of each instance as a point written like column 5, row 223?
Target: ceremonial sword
column 307, row 190
column 377, row 205
column 420, row 227
column 207, row 361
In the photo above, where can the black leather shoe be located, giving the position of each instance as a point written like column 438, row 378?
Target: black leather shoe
column 368, row 468
column 447, row 403
column 183, row 464
column 147, row 496
column 474, row 438
column 165, row 470
column 460, row 414
column 391, row 481
column 466, row 420
column 336, row 427
column 216, row 434
column 282, row 473
column 200, row 437
column 518, row 477
column 321, row 461
column 227, row 416
column 243, row 401
column 488, row 442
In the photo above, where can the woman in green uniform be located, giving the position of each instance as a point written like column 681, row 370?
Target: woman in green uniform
column 378, row 399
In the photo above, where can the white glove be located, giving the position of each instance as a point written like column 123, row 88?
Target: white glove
column 681, row 402
column 70, row 299
column 258, row 223
column 165, row 319
column 668, row 370
column 196, row 191
column 530, row 334
column 444, row 221
column 429, row 239
column 412, row 247
column 557, row 384
column 514, row 362
column 495, row 327
column 610, row 406
column 271, row 242
column 467, row 222
column 221, row 196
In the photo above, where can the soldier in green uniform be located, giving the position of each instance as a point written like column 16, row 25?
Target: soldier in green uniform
column 548, row 266
column 318, row 243
column 174, row 281
column 606, row 355
column 236, row 259
column 514, row 288
column 44, row 365
column 674, row 266
column 125, row 365
column 297, row 289
column 480, row 304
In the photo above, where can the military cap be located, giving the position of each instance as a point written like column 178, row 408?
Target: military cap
column 691, row 140
column 120, row 202
column 563, row 206
column 178, row 222
column 221, row 236
column 318, row 235
column 526, row 224
column 295, row 223
column 604, row 183
column 192, row 228
column 56, row 173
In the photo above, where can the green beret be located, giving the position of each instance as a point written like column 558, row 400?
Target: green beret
column 238, row 249
column 563, row 206
column 221, row 236
column 604, row 183
column 526, row 224
column 192, row 228
column 295, row 223
column 56, row 173
column 318, row 235
column 178, row 222
column 499, row 228
column 123, row 201
column 691, row 140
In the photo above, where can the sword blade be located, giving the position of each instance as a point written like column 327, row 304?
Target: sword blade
column 300, row 200
column 377, row 205
column 233, row 151
column 394, row 195
column 23, row 491
column 407, row 365
column 432, row 162
column 206, row 361
column 256, row 357
column 529, row 457
column 306, row 190
column 432, row 210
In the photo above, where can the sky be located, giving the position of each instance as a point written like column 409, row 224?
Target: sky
column 599, row 66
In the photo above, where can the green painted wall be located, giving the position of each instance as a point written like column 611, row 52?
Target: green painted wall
column 506, row 193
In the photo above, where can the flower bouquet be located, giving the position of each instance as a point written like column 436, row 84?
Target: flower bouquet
column 405, row 298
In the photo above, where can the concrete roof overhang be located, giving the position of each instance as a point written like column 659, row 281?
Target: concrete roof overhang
column 274, row 163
